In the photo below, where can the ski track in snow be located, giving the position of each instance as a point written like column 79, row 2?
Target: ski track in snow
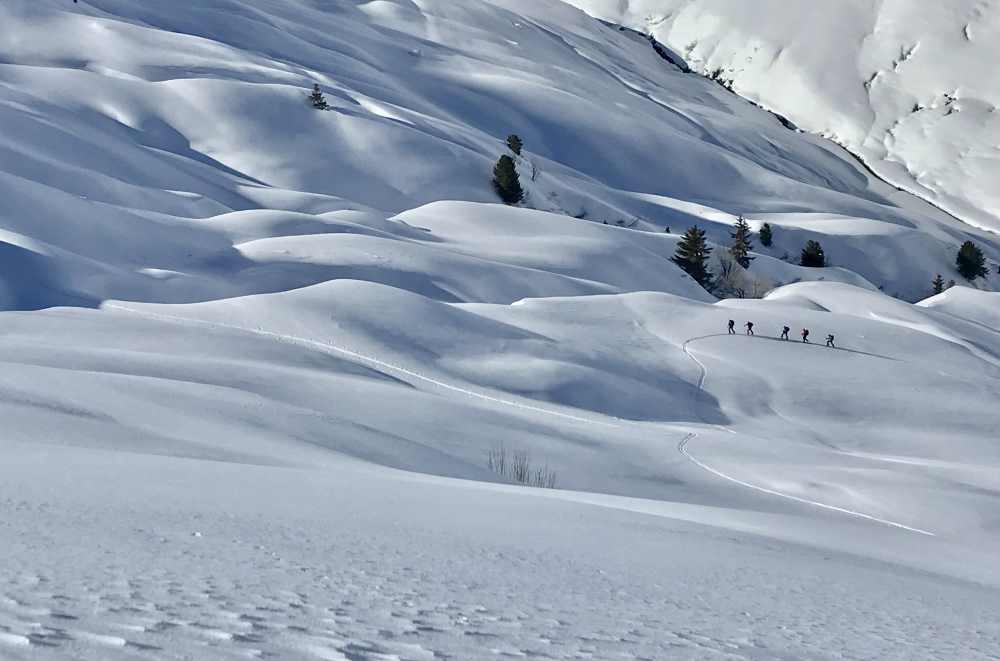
column 682, row 447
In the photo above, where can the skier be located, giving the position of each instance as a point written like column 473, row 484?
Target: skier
column 732, row 327
column 784, row 332
column 805, row 335
column 829, row 341
column 749, row 328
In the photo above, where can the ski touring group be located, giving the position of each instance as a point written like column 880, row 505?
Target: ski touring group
column 784, row 333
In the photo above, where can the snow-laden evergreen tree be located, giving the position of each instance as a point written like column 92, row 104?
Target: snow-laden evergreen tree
column 692, row 256
column 741, row 245
column 813, row 255
column 506, row 181
column 766, row 235
column 515, row 143
column 938, row 284
column 317, row 99
column 971, row 262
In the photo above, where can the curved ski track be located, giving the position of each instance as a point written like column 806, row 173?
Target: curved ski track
column 682, row 447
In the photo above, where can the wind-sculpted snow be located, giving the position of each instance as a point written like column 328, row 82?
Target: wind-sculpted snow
column 254, row 356
column 140, row 121
column 909, row 86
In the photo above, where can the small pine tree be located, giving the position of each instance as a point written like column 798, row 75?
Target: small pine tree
column 692, row 256
column 515, row 143
column 766, row 235
column 971, row 262
column 951, row 283
column 506, row 181
column 742, row 245
column 813, row 255
column 317, row 99
column 938, row 284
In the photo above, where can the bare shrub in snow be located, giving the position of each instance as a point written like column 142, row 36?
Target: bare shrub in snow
column 516, row 467
column 733, row 281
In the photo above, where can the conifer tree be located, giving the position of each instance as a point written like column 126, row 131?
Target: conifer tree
column 766, row 235
column 742, row 245
column 692, row 256
column 515, row 143
column 506, row 182
column 938, row 284
column 317, row 99
column 971, row 262
column 813, row 255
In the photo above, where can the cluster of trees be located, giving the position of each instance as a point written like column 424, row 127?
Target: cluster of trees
column 970, row 262
column 506, row 180
column 694, row 253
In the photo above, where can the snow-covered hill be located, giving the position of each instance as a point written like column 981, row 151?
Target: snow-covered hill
column 911, row 87
column 254, row 356
column 142, row 120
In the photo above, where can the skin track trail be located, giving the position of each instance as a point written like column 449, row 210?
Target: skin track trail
column 683, row 448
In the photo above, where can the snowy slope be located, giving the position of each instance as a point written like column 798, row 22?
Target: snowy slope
column 144, row 119
column 254, row 356
column 258, row 433
column 909, row 86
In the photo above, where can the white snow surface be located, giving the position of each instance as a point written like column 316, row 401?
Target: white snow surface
column 911, row 87
column 254, row 356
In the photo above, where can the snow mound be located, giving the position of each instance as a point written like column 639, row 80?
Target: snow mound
column 966, row 303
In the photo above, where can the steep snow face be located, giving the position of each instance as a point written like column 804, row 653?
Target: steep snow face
column 909, row 86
